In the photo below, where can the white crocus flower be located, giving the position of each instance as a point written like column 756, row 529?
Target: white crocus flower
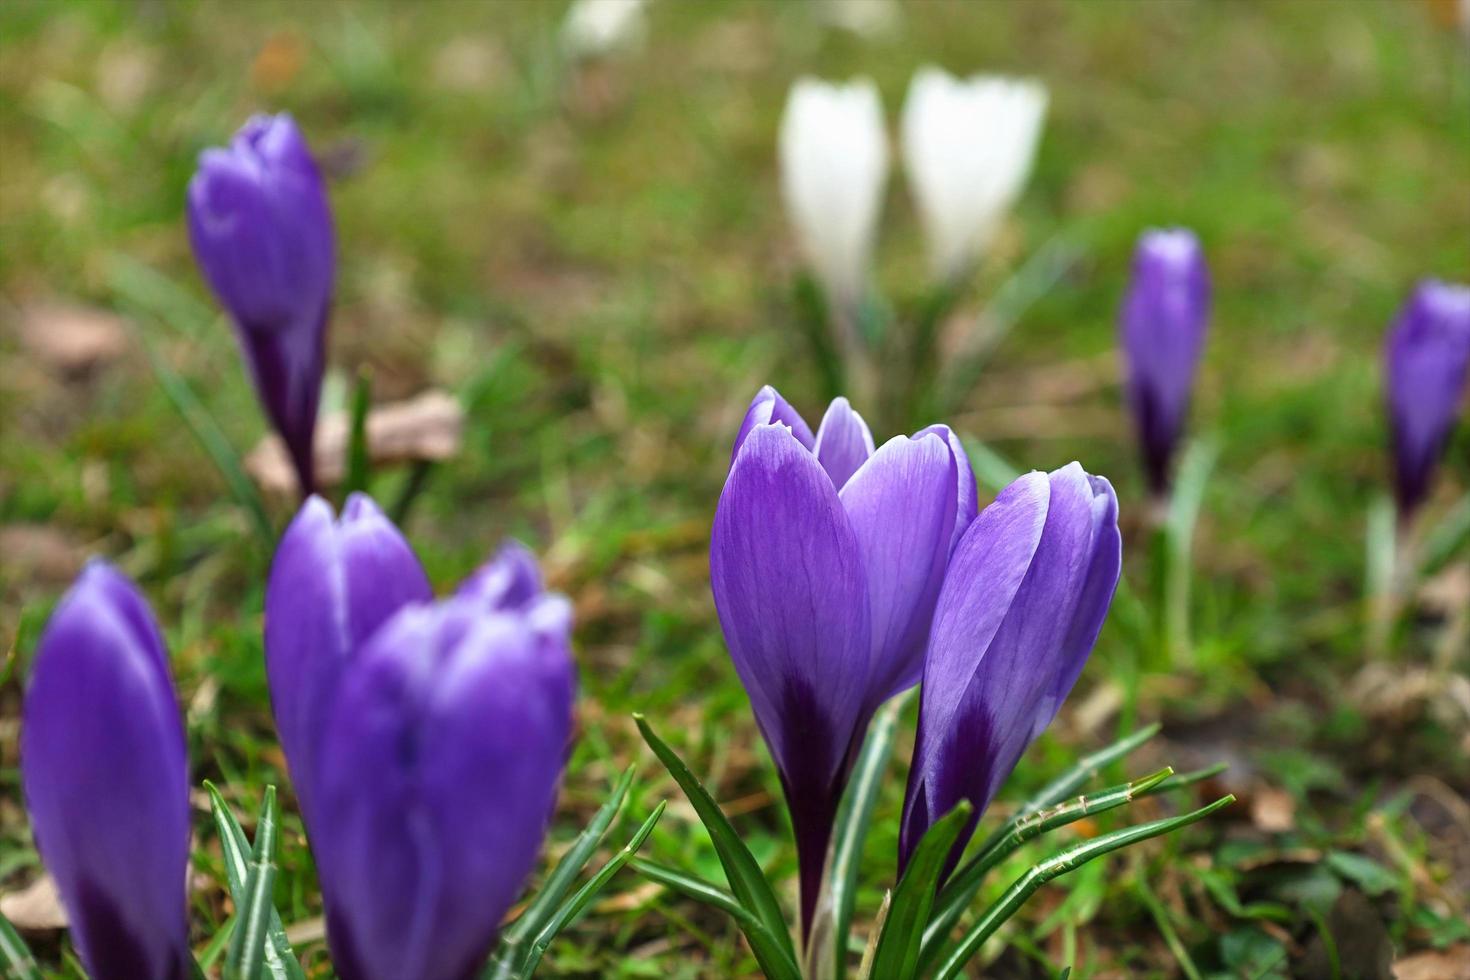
column 968, row 146
column 834, row 164
column 594, row 28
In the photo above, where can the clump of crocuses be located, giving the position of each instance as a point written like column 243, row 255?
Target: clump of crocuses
column 425, row 739
column 1163, row 321
column 107, row 780
column 261, row 228
column 1426, row 359
column 844, row 573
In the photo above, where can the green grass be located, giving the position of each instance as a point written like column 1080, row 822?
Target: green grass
column 597, row 264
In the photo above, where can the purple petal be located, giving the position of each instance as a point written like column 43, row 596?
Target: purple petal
column 440, row 770
column 1427, row 357
column 1163, row 322
column 509, row 581
column 766, row 408
column 332, row 583
column 968, row 498
column 901, row 505
column 843, row 442
column 788, row 582
column 107, row 781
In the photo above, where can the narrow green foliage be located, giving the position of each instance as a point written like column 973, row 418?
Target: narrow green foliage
column 280, row 961
column 514, row 942
column 1055, row 866
column 577, row 904
column 768, row 949
column 908, row 911
column 746, row 879
column 251, row 939
column 15, row 955
column 358, row 461
column 828, row 953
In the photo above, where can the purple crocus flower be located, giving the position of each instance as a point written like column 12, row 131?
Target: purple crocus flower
column 1426, row 357
column 1164, row 317
column 332, row 583
column 107, row 781
column 261, row 229
column 826, row 559
column 1027, row 591
column 439, row 771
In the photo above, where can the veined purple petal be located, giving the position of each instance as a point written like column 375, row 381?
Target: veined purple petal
column 440, row 770
column 1164, row 317
column 901, row 505
column 332, row 583
column 968, row 497
column 1427, row 356
column 843, row 442
column 1018, row 614
column 107, row 781
column 789, row 586
column 769, row 407
column 261, row 229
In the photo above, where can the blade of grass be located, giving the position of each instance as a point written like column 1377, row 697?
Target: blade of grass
column 767, row 948
column 248, row 945
column 19, row 963
column 908, row 912
column 573, row 907
column 746, row 879
column 827, row 955
column 1055, row 866
column 280, row 961
column 358, row 461
column 513, row 944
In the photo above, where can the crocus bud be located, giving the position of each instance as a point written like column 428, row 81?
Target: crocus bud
column 834, row 164
column 596, row 28
column 1426, row 357
column 332, row 583
column 1163, row 321
column 968, row 146
column 826, row 560
column 1027, row 591
column 262, row 235
column 107, row 782
column 439, row 772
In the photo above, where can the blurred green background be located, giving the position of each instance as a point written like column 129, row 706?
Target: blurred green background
column 592, row 257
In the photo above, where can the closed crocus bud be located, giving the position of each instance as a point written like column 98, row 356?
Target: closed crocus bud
column 826, row 559
column 439, row 773
column 968, row 146
column 261, row 229
column 596, row 28
column 333, row 582
column 834, row 164
column 1163, row 322
column 107, row 782
column 1027, row 591
column 1426, row 358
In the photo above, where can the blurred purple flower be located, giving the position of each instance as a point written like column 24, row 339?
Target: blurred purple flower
column 261, row 228
column 826, row 559
column 107, row 781
column 1164, row 318
column 439, row 771
column 1426, row 357
column 1027, row 591
column 332, row 583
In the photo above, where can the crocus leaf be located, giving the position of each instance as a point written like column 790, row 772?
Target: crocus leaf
column 15, row 955
column 514, row 942
column 775, row 961
column 573, row 907
column 828, row 954
column 908, row 911
column 280, row 961
column 1056, row 865
column 746, row 879
column 358, row 461
column 248, row 945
